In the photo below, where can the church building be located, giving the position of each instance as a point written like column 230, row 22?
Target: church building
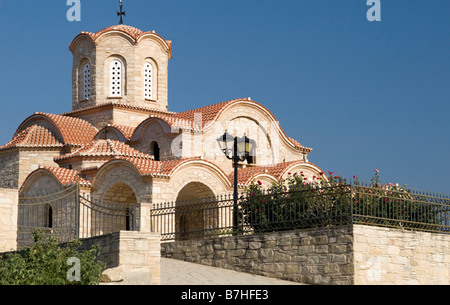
column 121, row 143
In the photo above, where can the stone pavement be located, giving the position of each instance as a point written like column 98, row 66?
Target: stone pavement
column 176, row 272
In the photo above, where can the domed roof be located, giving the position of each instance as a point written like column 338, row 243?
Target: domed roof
column 135, row 33
column 132, row 31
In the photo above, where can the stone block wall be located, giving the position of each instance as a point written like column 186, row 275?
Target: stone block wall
column 400, row 257
column 9, row 169
column 322, row 256
column 348, row 255
column 131, row 257
column 9, row 201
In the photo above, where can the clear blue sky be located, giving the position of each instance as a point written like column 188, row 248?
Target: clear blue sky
column 363, row 94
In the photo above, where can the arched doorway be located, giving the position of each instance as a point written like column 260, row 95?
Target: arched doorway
column 196, row 211
column 117, row 203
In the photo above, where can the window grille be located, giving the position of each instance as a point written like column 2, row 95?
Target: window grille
column 148, row 81
column 116, row 78
column 87, row 81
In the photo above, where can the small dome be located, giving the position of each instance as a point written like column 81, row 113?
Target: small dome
column 132, row 31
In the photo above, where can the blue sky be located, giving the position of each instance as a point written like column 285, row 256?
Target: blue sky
column 363, row 94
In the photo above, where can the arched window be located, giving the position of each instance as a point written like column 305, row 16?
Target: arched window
column 115, row 78
column 155, row 151
column 148, row 81
column 49, row 217
column 87, row 81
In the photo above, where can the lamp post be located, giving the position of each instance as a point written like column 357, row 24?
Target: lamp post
column 238, row 150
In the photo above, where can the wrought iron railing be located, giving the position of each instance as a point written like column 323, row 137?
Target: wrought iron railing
column 67, row 215
column 310, row 206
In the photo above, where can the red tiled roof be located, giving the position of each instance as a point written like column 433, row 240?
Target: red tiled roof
column 74, row 131
column 105, row 148
column 135, row 33
column 132, row 31
column 245, row 175
column 127, row 131
column 66, row 176
column 112, row 104
column 212, row 112
column 33, row 136
column 209, row 113
column 148, row 167
column 186, row 119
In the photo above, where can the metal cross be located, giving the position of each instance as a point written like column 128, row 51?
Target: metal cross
column 121, row 13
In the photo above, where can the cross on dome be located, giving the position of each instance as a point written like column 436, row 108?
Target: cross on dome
column 121, row 13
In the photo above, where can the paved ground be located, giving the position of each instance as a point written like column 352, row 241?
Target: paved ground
column 175, row 272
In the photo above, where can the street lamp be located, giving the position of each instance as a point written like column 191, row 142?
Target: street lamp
column 238, row 150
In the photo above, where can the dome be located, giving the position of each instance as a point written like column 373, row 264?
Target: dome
column 135, row 34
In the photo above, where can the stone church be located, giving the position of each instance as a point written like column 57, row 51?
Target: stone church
column 122, row 143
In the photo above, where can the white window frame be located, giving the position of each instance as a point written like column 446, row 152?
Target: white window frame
column 149, row 91
column 116, row 78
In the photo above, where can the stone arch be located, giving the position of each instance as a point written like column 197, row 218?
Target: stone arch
column 310, row 171
column 278, row 147
column 111, row 133
column 46, row 203
column 150, row 80
column 119, row 196
column 120, row 193
column 119, row 172
column 84, row 80
column 265, row 179
column 123, row 77
column 150, row 131
column 40, row 181
column 196, row 211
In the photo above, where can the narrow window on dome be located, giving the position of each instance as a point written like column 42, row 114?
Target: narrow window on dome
column 87, row 81
column 148, row 81
column 115, row 78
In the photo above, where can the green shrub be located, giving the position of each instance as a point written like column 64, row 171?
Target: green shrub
column 46, row 263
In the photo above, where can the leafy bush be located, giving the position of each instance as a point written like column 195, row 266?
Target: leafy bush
column 46, row 263
column 394, row 205
column 295, row 202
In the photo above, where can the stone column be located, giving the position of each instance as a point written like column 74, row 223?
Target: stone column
column 9, row 204
column 144, row 217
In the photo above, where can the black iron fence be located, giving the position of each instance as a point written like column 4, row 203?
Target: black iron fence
column 67, row 215
column 309, row 206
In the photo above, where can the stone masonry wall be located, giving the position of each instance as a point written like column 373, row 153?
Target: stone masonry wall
column 131, row 257
column 392, row 256
column 9, row 201
column 349, row 255
column 321, row 256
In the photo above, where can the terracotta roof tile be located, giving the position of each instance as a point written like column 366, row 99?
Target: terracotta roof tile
column 67, row 176
column 186, row 119
column 33, row 136
column 109, row 149
column 245, row 175
column 75, row 131
column 112, row 104
column 209, row 113
column 148, row 167
column 127, row 131
column 135, row 33
column 132, row 31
